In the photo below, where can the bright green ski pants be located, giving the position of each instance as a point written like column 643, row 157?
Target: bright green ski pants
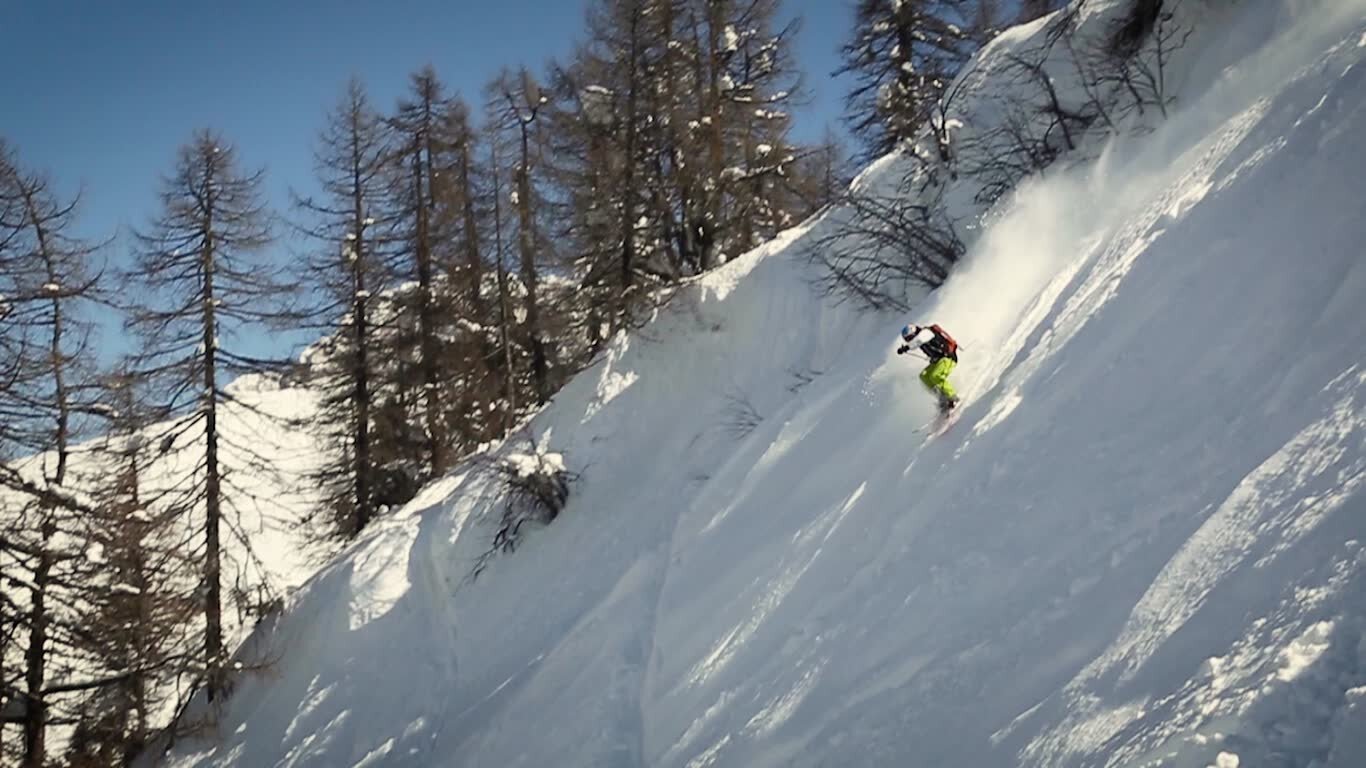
column 936, row 377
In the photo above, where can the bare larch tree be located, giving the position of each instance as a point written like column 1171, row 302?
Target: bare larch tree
column 203, row 279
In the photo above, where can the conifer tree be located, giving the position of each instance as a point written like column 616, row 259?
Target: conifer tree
column 419, row 144
column 903, row 56
column 515, row 103
column 349, row 225
column 204, row 279
column 50, row 280
column 141, row 606
column 671, row 154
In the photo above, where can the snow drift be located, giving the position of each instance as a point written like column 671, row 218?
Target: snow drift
column 1141, row 544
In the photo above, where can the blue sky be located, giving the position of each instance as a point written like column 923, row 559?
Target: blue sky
column 100, row 93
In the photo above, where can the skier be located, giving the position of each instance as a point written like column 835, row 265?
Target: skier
column 942, row 352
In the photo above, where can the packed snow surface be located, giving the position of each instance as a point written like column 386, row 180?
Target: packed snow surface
column 1142, row 544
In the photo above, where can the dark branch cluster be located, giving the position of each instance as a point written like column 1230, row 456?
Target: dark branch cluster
column 878, row 249
column 534, row 488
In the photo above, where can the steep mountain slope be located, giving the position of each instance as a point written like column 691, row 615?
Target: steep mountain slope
column 1141, row 544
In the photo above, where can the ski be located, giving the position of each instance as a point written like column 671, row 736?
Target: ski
column 940, row 423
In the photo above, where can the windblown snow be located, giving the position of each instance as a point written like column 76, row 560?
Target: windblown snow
column 1143, row 543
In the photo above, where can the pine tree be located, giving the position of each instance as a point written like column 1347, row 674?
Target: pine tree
column 349, row 223
column 49, row 275
column 747, row 81
column 200, row 267
column 602, row 146
column 455, row 190
column 469, row 346
column 761, row 82
column 670, row 146
column 12, row 338
column 14, row 344
column 142, row 603
column 903, row 56
column 821, row 176
column 418, row 148
column 675, row 195
column 504, row 313
column 515, row 102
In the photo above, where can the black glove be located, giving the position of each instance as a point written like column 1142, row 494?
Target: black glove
column 903, row 349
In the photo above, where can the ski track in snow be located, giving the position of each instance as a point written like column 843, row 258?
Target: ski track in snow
column 1140, row 546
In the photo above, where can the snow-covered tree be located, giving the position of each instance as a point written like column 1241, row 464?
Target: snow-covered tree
column 604, row 134
column 903, row 55
column 671, row 154
column 748, row 83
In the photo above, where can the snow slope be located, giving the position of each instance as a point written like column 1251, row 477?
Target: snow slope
column 1140, row 545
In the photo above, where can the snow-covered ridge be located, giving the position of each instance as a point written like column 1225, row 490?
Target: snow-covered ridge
column 1141, row 544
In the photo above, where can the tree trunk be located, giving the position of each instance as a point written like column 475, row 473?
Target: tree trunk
column 716, row 158
column 35, row 714
column 526, row 237
column 56, row 360
column 35, row 711
column 669, row 236
column 628, row 192
column 669, row 146
column 7, row 696
column 504, row 317
column 472, row 258
column 749, row 212
column 137, row 683
column 213, row 493
column 431, row 396
column 904, row 22
column 695, row 200
column 360, row 374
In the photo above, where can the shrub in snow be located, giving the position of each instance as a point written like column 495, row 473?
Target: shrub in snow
column 535, row 489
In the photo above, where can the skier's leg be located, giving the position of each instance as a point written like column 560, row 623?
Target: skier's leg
column 927, row 378
column 936, row 377
column 945, row 388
